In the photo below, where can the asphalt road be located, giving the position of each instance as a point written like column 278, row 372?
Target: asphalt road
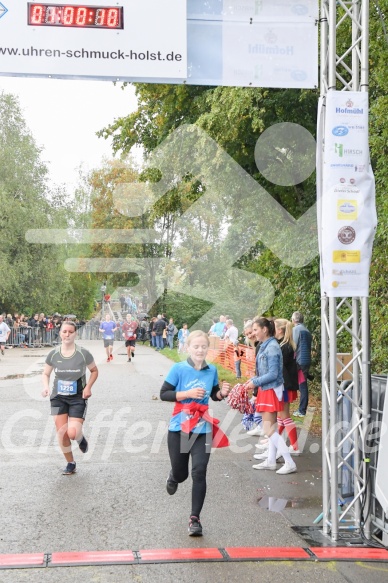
column 117, row 499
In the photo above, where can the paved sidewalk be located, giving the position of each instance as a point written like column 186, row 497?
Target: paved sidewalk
column 117, row 499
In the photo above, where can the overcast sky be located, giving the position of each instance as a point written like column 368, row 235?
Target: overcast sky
column 64, row 116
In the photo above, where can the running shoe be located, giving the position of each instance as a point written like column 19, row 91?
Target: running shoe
column 133, row 354
column 83, row 444
column 298, row 414
column 264, row 456
column 108, row 359
column 171, row 484
column 287, row 469
column 256, row 431
column 69, row 469
column 293, row 451
column 129, row 360
column 2, row 352
column 265, row 465
column 261, row 456
column 261, row 447
column 195, row 526
column 111, row 357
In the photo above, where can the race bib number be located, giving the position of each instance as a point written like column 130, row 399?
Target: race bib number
column 108, row 337
column 67, row 387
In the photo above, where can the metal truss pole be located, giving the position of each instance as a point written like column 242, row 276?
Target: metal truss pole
column 345, row 319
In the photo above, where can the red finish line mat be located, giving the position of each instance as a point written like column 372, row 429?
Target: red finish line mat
column 191, row 555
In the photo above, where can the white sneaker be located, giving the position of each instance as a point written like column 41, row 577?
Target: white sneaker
column 256, row 431
column 265, row 465
column 293, row 451
column 261, row 447
column 264, row 456
column 287, row 469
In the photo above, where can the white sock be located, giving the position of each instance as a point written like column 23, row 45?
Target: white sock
column 277, row 443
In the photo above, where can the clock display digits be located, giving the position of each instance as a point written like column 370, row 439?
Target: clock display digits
column 80, row 16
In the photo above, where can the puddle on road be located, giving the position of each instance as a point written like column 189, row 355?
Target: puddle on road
column 279, row 504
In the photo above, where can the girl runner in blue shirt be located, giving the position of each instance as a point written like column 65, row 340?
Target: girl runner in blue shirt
column 190, row 384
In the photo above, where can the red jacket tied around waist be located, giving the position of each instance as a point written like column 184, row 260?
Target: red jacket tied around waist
column 197, row 412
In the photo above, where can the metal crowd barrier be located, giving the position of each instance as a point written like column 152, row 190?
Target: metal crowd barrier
column 38, row 337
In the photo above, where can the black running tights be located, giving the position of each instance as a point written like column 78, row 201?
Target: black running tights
column 180, row 447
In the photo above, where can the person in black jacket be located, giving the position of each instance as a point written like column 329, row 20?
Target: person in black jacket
column 158, row 328
column 283, row 334
column 302, row 338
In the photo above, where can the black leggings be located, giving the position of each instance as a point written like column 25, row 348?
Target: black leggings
column 180, row 447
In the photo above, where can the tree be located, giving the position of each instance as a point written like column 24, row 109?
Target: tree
column 236, row 118
column 33, row 276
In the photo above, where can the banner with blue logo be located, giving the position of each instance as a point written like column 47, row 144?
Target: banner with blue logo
column 346, row 210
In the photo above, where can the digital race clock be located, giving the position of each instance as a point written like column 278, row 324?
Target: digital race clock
column 75, row 16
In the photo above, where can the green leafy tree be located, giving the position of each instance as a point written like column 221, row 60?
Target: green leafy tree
column 33, row 276
column 236, row 118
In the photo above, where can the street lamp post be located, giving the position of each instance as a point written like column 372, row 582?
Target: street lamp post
column 103, row 290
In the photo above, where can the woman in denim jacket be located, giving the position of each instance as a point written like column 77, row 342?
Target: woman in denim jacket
column 269, row 380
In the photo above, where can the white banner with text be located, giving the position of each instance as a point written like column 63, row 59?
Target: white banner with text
column 347, row 218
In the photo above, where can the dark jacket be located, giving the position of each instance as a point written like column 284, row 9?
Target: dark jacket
column 302, row 339
column 159, row 326
column 290, row 369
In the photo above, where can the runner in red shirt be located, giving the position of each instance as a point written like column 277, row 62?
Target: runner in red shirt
column 129, row 332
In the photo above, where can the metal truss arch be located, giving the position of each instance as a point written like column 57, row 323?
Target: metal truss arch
column 344, row 38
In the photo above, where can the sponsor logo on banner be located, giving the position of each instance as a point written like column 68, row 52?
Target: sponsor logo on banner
column 349, row 109
column 347, row 210
column 341, row 151
column 300, row 9
column 346, row 256
column 346, row 235
column 299, row 75
column 263, row 49
column 357, row 128
column 341, row 165
column 343, row 272
column 351, row 180
column 340, row 131
column 347, row 190
column 360, row 168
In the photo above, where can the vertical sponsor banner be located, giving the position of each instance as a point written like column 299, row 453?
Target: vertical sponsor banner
column 347, row 207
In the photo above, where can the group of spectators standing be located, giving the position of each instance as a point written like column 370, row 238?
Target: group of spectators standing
column 224, row 328
column 161, row 332
column 25, row 332
column 283, row 359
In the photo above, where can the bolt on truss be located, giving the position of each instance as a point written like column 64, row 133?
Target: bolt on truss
column 345, row 321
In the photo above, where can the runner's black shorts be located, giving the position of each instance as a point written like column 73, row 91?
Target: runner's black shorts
column 72, row 406
column 108, row 342
column 130, row 343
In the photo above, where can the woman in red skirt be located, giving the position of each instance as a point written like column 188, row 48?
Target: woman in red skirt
column 269, row 380
column 283, row 334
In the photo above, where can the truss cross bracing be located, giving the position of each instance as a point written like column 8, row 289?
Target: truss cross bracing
column 345, row 321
